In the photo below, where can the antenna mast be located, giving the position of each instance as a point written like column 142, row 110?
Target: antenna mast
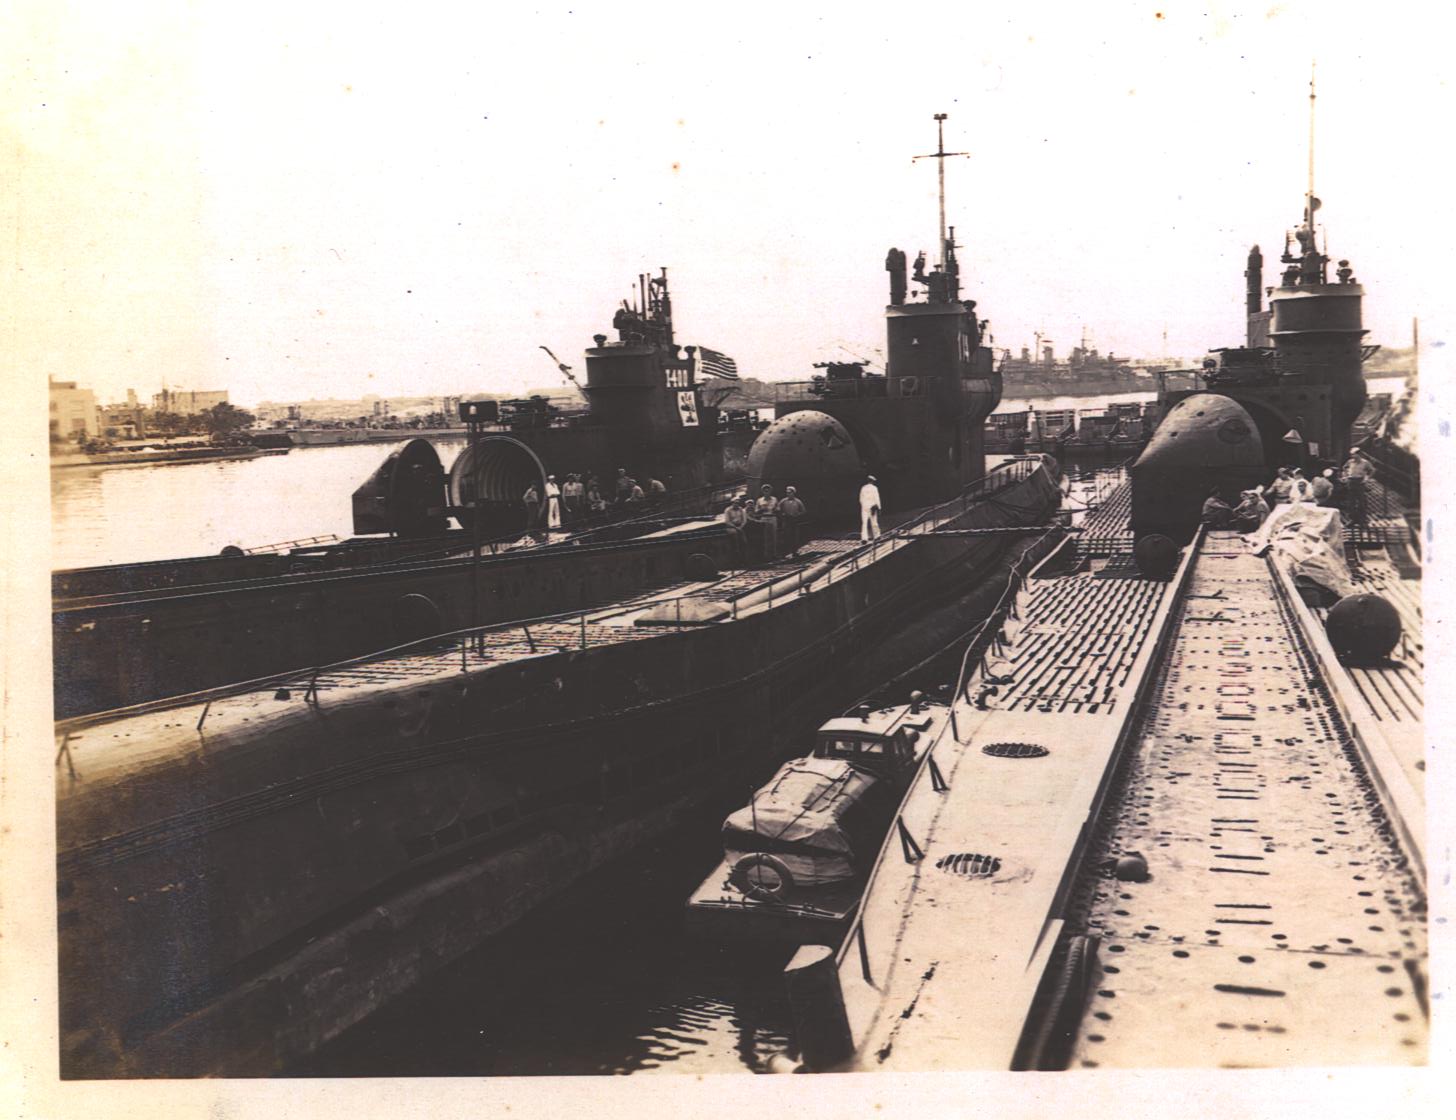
column 1309, row 199
column 942, row 155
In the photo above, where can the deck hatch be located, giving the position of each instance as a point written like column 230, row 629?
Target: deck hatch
column 1015, row 750
column 973, row 865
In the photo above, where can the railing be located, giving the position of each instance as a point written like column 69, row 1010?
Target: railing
column 858, row 388
column 466, row 641
column 680, row 503
column 998, row 478
column 1180, row 380
column 305, row 542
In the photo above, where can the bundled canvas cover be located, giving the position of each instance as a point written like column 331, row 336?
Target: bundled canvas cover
column 1309, row 541
column 798, row 817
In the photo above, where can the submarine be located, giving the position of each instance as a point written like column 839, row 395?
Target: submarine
column 647, row 414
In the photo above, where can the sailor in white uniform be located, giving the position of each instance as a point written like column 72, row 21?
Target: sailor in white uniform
column 869, row 510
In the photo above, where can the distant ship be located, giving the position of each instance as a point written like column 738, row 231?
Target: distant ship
column 1037, row 373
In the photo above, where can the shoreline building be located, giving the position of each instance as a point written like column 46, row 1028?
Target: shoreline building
column 188, row 402
column 73, row 413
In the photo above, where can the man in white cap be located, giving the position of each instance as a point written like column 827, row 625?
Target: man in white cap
column 1324, row 487
column 869, row 510
column 1300, row 488
column 791, row 520
column 1249, row 514
column 553, row 503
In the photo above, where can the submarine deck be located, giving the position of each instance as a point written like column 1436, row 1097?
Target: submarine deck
column 1281, row 922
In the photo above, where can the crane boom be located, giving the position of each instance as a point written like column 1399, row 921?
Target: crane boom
column 565, row 370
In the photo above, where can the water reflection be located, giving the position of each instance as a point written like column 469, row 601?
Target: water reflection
column 602, row 981
column 160, row 511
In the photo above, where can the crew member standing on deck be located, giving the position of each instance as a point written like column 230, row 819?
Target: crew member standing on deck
column 572, row 496
column 1279, row 488
column 791, row 520
column 869, row 510
column 766, row 513
column 735, row 517
column 553, row 503
column 531, row 499
column 1357, row 475
column 1300, row 488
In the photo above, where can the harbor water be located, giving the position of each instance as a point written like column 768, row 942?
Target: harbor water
column 161, row 511
column 601, row 981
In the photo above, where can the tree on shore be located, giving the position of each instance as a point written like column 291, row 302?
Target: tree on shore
column 167, row 423
column 225, row 419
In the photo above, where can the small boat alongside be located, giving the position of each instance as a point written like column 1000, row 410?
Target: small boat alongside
column 796, row 856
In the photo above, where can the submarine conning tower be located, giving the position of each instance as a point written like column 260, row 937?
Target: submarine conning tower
column 1288, row 397
column 919, row 428
column 1317, row 331
column 642, row 389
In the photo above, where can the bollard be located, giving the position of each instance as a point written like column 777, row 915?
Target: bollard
column 821, row 1024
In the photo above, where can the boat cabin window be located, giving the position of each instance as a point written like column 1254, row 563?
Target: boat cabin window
column 850, row 746
column 869, row 748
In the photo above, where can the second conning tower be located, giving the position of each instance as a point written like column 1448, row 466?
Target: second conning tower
column 918, row 428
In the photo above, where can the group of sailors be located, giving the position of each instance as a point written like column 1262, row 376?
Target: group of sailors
column 1345, row 491
column 769, row 526
column 579, row 498
column 775, row 526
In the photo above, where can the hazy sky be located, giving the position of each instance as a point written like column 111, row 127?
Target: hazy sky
column 327, row 200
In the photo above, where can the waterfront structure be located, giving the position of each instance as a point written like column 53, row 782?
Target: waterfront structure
column 124, row 421
column 188, row 402
column 73, row 413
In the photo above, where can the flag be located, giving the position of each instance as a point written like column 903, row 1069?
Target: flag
column 713, row 364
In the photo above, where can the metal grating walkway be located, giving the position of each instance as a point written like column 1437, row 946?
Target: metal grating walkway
column 1077, row 644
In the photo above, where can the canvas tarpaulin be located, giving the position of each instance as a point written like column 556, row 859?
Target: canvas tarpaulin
column 798, row 817
column 1309, row 541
